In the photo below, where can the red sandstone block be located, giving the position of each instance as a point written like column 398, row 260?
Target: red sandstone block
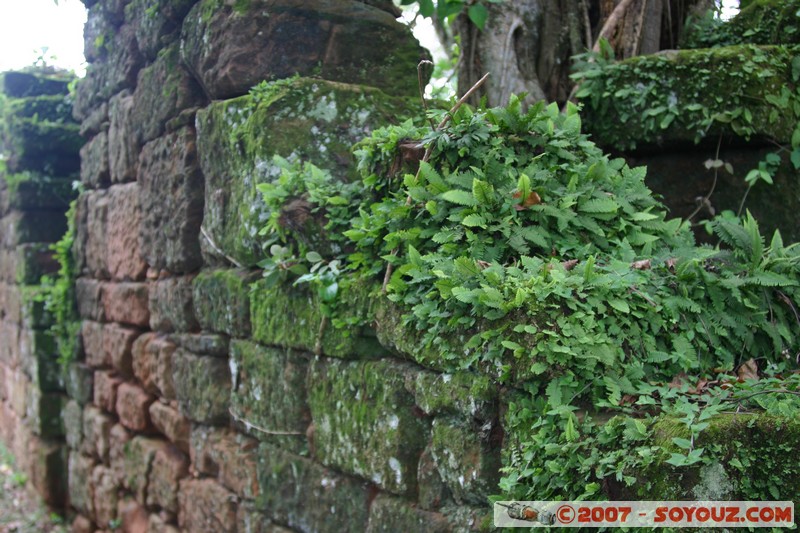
column 158, row 523
column 133, row 407
column 10, row 303
column 93, row 345
column 18, row 391
column 106, row 384
column 81, row 524
column 204, row 506
column 127, row 303
column 169, row 421
column 137, row 462
column 152, row 364
column 169, row 467
column 97, row 433
column 3, row 386
column 118, row 437
column 133, row 516
column 105, row 495
column 117, row 343
column 125, row 260
column 9, row 347
column 228, row 455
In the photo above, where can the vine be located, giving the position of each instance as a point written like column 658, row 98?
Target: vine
column 519, row 249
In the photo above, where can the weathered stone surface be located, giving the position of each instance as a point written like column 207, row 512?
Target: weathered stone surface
column 89, row 296
column 81, row 492
column 124, row 256
column 137, row 463
column 18, row 394
column 289, row 482
column 292, row 317
column 351, row 404
column 163, row 90
column 105, row 495
column 468, row 394
column 234, row 47
column 133, row 407
column 221, row 301
column 170, row 422
column 93, row 346
column 96, row 429
column 204, row 506
column 30, row 191
column 467, row 459
column 16, row 84
column 156, row 522
column 153, row 364
column 33, row 262
column 95, row 171
column 202, row 387
column 73, row 424
column 48, row 470
column 39, row 359
column 133, row 516
column 171, row 307
column 227, row 455
column 156, row 23
column 106, row 384
column 41, row 145
column 215, row 345
column 95, row 122
column 169, row 467
column 81, row 524
column 118, row 439
column 9, row 350
column 303, row 119
column 43, row 412
column 433, row 492
column 123, row 149
column 269, row 391
column 127, row 303
column 33, row 309
column 92, row 229
column 171, row 196
column 117, row 343
column 79, row 382
column 388, row 514
column 10, row 305
column 250, row 520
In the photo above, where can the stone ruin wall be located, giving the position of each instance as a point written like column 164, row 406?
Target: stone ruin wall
column 197, row 403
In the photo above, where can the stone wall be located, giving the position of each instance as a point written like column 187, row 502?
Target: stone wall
column 39, row 143
column 214, row 403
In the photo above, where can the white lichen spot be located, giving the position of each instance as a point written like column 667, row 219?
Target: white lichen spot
column 325, row 109
column 394, row 422
column 394, row 464
column 446, row 378
column 328, row 483
column 234, row 366
column 461, row 480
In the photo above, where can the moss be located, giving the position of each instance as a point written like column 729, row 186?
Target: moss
column 750, row 457
column 29, row 191
column 221, row 301
column 292, row 316
column 364, row 422
column 465, row 393
column 303, row 119
column 758, row 22
column 689, row 95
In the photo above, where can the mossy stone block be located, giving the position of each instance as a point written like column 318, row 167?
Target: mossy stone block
column 43, row 413
column 24, row 84
column 365, row 422
column 269, row 391
column 29, row 191
column 388, row 514
column 466, row 459
column 298, row 119
column 306, row 496
column 290, row 316
column 468, row 394
column 202, row 387
column 222, row 301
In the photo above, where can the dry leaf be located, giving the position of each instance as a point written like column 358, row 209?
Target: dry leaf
column 644, row 264
column 748, row 370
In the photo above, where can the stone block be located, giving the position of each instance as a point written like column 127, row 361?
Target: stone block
column 304, row 119
column 250, row 520
column 292, row 317
column 467, row 459
column 81, row 492
column 235, row 46
column 137, row 463
column 351, row 403
column 169, row 467
column 43, row 412
column 222, row 301
column 202, row 387
column 127, row 303
column 133, row 407
column 47, row 470
column 227, row 455
column 133, row 516
column 124, row 256
column 9, row 349
column 153, row 364
column 206, row 507
column 39, row 359
column 17, row 385
column 269, row 391
column 79, row 382
column 73, row 424
column 157, row 23
column 172, row 424
column 92, row 230
column 95, row 172
column 117, row 343
column 171, row 307
column 89, row 296
column 468, row 394
column 289, row 483
column 33, row 309
column 93, row 345
column 81, row 524
column 388, row 514
column 106, row 384
column 95, row 122
column 31, row 192
column 106, row 495
column 34, row 261
column 205, row 344
column 163, row 90
column 17, row 84
column 123, row 149
column 97, row 433
column 21, row 227
column 433, row 492
column 157, row 522
column 10, row 304
column 118, row 438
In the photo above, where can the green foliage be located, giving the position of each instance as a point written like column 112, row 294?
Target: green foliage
column 521, row 250
column 59, row 296
column 477, row 12
column 760, row 22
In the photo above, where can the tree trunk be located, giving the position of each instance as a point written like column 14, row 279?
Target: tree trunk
column 527, row 45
